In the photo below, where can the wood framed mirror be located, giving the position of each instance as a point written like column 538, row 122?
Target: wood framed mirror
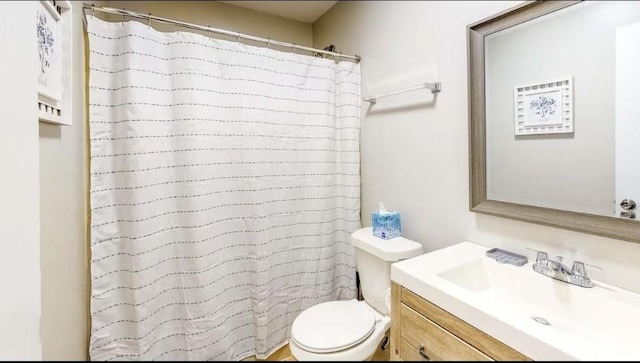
column 584, row 220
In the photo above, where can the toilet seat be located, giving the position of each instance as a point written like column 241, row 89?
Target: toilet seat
column 333, row 326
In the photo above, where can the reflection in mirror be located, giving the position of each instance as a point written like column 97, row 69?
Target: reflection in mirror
column 562, row 130
column 545, row 146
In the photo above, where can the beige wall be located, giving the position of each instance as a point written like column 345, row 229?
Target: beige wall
column 414, row 151
column 19, row 211
column 583, row 163
column 63, row 238
column 63, row 220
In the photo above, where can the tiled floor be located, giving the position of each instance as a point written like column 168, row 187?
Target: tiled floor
column 282, row 354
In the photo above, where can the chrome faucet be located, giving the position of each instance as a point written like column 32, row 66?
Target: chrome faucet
column 577, row 275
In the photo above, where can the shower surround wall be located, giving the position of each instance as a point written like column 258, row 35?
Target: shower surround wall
column 423, row 144
column 224, row 189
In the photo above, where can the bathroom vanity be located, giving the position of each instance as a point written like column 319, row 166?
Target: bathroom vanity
column 423, row 331
column 458, row 304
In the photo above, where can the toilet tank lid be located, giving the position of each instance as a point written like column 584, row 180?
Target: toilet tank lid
column 391, row 250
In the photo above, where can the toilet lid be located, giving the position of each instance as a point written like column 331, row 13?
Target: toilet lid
column 333, row 326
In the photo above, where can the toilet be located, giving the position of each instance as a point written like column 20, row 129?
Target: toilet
column 352, row 329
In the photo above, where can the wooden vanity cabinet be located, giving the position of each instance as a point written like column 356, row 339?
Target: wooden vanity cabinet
column 421, row 330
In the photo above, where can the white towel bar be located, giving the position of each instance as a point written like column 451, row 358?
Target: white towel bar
column 434, row 87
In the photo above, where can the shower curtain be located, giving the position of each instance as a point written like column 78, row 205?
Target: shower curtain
column 224, row 188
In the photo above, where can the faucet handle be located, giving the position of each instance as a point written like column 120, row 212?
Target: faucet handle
column 541, row 256
column 580, row 269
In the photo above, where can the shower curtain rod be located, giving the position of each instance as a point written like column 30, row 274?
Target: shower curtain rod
column 150, row 17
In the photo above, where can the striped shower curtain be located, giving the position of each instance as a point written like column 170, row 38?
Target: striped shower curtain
column 224, row 188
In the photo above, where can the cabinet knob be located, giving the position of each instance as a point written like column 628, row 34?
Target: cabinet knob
column 422, row 353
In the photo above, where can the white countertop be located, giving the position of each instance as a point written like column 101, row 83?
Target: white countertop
column 599, row 323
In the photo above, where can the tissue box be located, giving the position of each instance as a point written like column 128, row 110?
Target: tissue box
column 386, row 225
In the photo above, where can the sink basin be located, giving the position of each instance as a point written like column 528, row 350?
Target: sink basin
column 543, row 318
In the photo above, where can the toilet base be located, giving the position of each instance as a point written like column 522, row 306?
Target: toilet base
column 383, row 355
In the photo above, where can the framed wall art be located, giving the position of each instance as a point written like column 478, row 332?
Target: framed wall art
column 544, row 108
column 53, row 37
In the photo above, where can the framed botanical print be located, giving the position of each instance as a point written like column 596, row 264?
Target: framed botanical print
column 53, row 34
column 543, row 108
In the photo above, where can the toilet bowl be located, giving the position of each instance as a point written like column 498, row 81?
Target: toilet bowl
column 352, row 330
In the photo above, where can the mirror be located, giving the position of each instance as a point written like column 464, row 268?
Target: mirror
column 552, row 90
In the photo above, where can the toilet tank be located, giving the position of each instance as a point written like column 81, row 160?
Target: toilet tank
column 374, row 257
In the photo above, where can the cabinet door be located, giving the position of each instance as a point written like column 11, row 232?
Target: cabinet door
column 476, row 338
column 422, row 339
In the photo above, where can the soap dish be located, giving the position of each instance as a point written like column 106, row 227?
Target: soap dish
column 503, row 256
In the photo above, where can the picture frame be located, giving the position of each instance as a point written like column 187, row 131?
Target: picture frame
column 544, row 108
column 53, row 31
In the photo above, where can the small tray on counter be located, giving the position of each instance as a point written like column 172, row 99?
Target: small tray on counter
column 504, row 256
